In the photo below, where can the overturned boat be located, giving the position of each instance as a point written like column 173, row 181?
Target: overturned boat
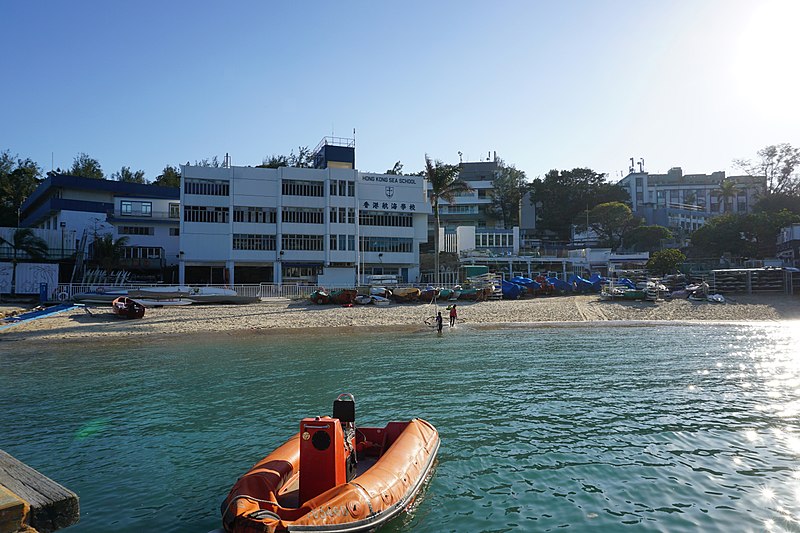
column 332, row 476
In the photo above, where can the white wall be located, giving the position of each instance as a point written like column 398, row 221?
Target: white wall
column 29, row 276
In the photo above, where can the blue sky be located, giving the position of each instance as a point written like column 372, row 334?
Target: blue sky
column 689, row 83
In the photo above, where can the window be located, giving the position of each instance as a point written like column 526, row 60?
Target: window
column 333, row 217
column 299, row 215
column 333, row 188
column 174, row 210
column 302, row 188
column 257, row 215
column 174, row 232
column 243, row 241
column 351, row 188
column 343, row 242
column 147, row 209
column 302, row 242
column 194, row 213
column 136, row 230
column 386, row 244
column 126, row 208
column 382, row 218
column 206, row 187
column 142, row 252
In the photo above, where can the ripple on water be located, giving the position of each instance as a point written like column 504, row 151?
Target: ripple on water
column 668, row 428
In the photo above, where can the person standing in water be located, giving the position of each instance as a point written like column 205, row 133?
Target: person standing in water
column 439, row 321
column 453, row 315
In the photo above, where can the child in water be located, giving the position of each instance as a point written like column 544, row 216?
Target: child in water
column 439, row 321
column 453, row 315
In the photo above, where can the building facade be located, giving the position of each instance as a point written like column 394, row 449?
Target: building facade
column 78, row 207
column 686, row 201
column 471, row 208
column 788, row 245
column 326, row 226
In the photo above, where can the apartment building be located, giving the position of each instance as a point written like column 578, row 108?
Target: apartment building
column 686, row 201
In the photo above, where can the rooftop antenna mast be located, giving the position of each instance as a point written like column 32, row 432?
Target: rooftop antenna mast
column 641, row 164
column 631, row 168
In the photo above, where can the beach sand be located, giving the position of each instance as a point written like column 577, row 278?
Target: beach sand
column 280, row 314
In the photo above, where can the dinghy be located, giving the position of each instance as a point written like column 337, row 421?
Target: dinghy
column 127, row 307
column 333, row 476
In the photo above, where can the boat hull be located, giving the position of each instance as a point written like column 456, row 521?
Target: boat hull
column 125, row 307
column 261, row 499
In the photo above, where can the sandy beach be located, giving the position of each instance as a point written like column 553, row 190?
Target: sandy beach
column 293, row 315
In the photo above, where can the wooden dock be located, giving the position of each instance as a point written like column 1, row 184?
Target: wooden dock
column 31, row 502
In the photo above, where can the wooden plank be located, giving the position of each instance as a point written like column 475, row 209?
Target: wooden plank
column 13, row 512
column 52, row 506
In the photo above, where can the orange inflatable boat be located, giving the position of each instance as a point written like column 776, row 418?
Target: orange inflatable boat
column 334, row 477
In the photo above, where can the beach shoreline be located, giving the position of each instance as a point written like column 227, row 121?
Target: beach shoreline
column 287, row 317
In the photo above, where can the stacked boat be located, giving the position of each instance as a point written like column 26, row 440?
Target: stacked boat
column 166, row 296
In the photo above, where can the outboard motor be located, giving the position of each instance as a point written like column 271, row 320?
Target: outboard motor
column 344, row 408
column 327, row 450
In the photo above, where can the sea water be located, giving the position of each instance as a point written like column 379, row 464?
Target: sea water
column 661, row 427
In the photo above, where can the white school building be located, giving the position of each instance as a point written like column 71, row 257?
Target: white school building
column 325, row 226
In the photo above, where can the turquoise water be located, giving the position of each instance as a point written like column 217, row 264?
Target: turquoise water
column 667, row 428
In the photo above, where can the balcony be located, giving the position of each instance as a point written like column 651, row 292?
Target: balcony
column 144, row 216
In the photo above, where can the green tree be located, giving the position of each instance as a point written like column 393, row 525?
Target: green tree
column 726, row 193
column 302, row 159
column 396, row 170
column 509, row 186
column 107, row 251
column 18, row 179
column 777, row 164
column 169, row 177
column 274, row 161
column 126, row 175
column 24, row 241
column 646, row 238
column 561, row 196
column 666, row 261
column 445, row 184
column 610, row 221
column 206, row 162
column 774, row 203
column 86, row 167
column 742, row 235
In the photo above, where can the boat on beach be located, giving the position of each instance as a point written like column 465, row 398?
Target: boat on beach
column 333, row 476
column 406, row 294
column 125, row 307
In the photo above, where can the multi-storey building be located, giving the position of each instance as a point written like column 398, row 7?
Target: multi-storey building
column 470, row 208
column 326, row 226
column 147, row 214
column 686, row 201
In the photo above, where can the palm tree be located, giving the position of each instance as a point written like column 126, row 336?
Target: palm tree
column 107, row 251
column 726, row 192
column 444, row 186
column 24, row 241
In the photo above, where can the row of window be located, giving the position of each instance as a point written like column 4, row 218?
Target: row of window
column 302, row 188
column 402, row 220
column 253, row 242
column 494, row 240
column 142, row 252
column 194, row 213
column 302, row 215
column 206, row 187
column 343, row 215
column 387, row 244
column 302, row 242
column 145, row 209
column 342, row 188
column 136, row 230
column 343, row 242
column 258, row 215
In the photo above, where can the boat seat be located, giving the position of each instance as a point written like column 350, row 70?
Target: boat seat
column 344, row 410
